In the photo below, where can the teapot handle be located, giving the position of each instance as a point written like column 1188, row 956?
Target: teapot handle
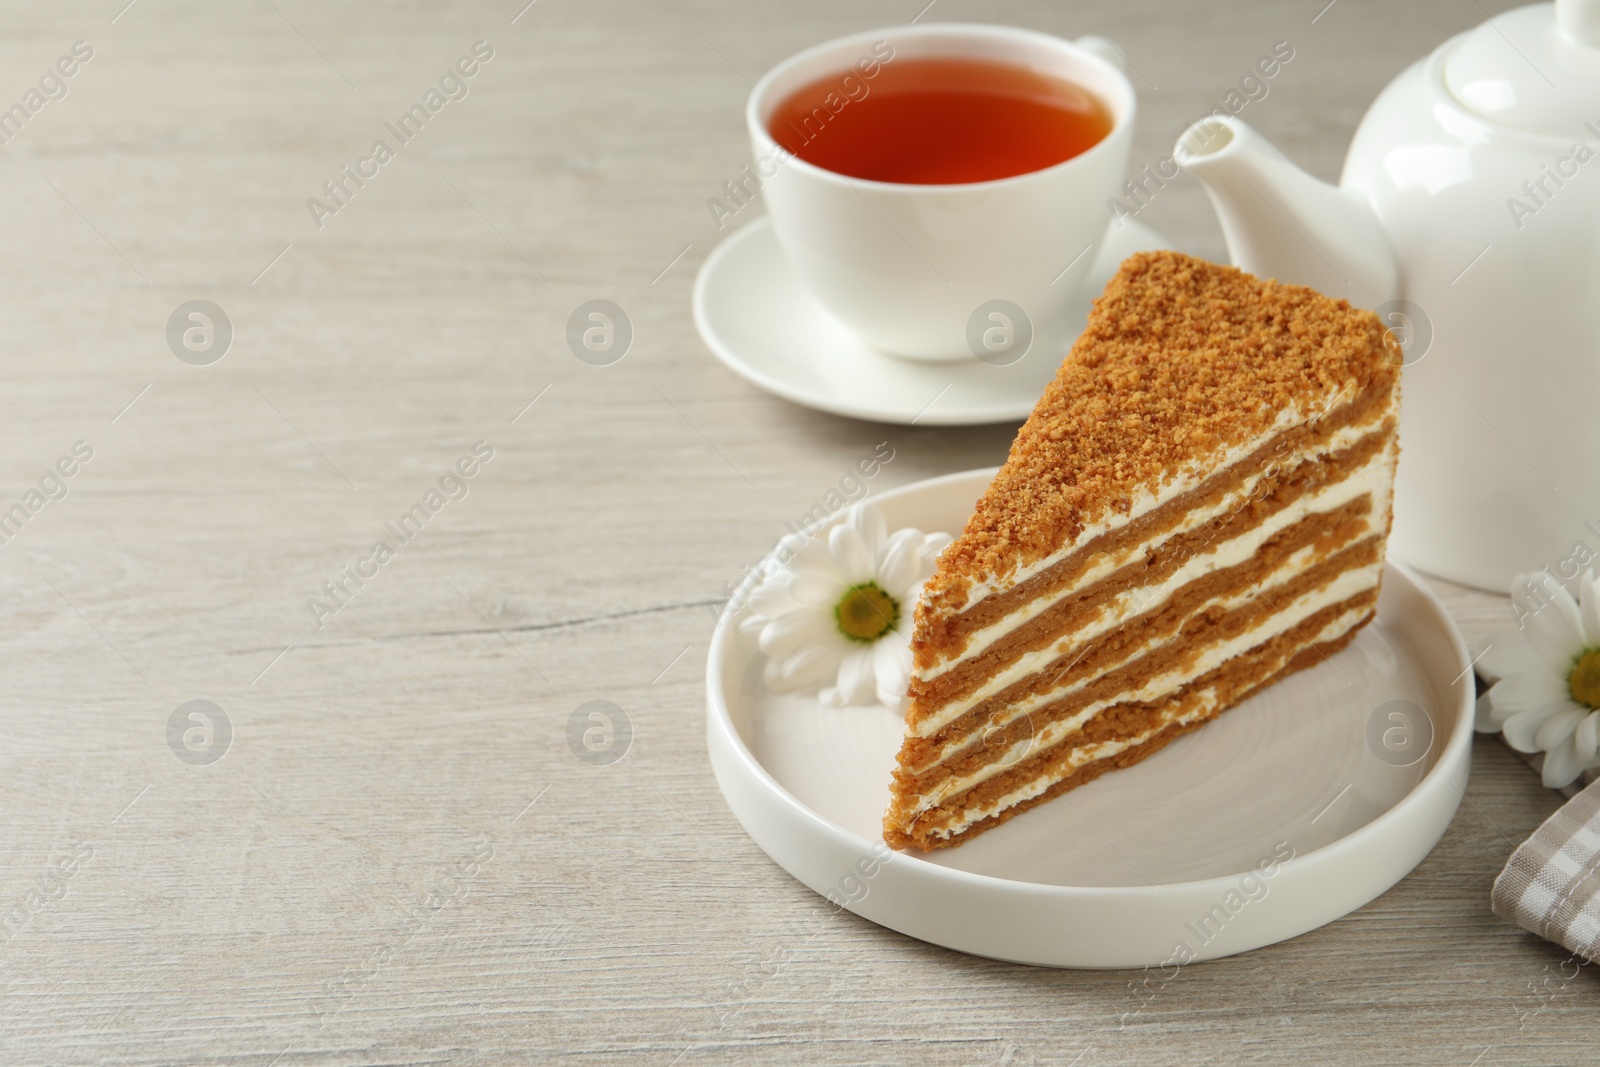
column 1580, row 20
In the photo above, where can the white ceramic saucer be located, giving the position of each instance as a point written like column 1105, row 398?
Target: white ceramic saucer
column 756, row 317
column 1123, row 871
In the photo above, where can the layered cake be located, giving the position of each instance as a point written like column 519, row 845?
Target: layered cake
column 1196, row 508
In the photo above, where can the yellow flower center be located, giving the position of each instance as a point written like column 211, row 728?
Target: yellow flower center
column 1584, row 681
column 866, row 613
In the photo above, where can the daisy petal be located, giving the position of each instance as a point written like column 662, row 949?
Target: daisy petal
column 1484, row 721
column 804, row 670
column 1506, row 655
column 1561, row 767
column 1519, row 730
column 898, row 561
column 1558, row 728
column 772, row 598
column 1586, row 738
column 870, row 525
column 815, row 589
column 790, row 632
column 850, row 556
column 814, row 558
column 1589, row 609
column 1538, row 712
column 855, row 676
column 1550, row 614
column 1520, row 692
column 891, row 668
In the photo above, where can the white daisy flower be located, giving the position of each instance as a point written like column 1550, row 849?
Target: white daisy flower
column 838, row 609
column 1549, row 686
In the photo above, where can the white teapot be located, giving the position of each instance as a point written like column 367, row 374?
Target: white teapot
column 1468, row 216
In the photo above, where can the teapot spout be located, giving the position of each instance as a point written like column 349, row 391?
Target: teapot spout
column 1282, row 223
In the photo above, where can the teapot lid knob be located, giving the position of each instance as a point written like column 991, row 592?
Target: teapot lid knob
column 1580, row 20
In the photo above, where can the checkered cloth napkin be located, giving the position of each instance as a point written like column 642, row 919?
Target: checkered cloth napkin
column 1551, row 885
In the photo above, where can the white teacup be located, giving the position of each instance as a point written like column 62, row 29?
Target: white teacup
column 907, row 267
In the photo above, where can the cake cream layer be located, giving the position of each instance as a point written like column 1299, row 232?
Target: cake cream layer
column 1183, row 505
column 1225, row 599
column 1052, row 771
column 1027, row 643
column 1096, row 642
column 1101, row 565
column 1161, row 670
column 1159, row 682
column 1082, row 668
column 1205, row 704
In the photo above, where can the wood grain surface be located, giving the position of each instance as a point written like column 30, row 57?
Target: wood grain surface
column 398, row 859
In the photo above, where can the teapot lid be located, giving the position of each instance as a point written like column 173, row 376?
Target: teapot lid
column 1535, row 68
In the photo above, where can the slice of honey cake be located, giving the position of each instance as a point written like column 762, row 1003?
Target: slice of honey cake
column 1197, row 507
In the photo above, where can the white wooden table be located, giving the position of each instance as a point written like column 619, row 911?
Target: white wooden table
column 398, row 858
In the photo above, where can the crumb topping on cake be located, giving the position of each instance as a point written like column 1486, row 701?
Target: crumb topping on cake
column 1181, row 359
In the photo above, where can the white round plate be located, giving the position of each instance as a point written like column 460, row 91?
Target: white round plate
column 1275, row 819
column 756, row 317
